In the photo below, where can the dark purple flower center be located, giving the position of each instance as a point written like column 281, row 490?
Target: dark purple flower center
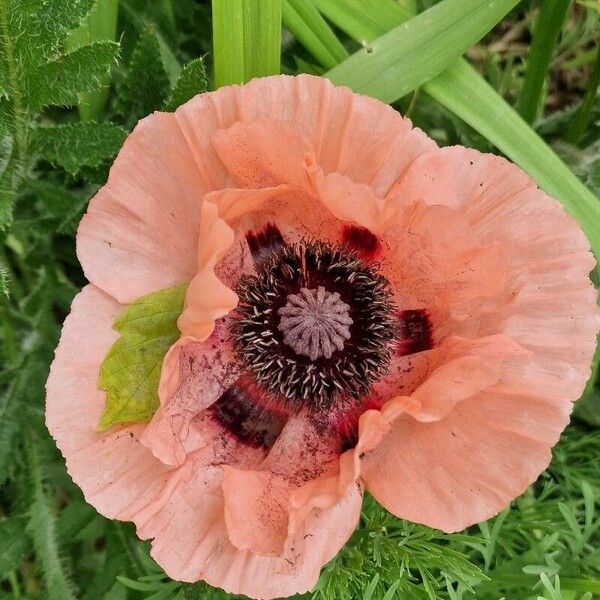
column 316, row 323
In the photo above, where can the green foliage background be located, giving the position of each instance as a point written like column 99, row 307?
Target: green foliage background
column 54, row 156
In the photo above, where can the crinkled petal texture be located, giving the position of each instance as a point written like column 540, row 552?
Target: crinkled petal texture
column 479, row 428
column 182, row 508
column 494, row 332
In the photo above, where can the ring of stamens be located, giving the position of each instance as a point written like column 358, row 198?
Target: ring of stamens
column 314, row 324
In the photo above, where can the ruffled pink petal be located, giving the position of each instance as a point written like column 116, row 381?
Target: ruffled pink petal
column 256, row 519
column 264, row 153
column 181, row 509
column 191, row 541
column 234, row 203
column 351, row 202
column 141, row 228
column 118, row 475
column 490, row 446
column 301, row 473
column 353, row 135
column 207, row 297
column 458, row 369
column 466, row 467
column 193, row 377
column 433, row 259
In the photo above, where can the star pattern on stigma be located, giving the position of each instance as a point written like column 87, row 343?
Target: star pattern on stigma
column 315, row 324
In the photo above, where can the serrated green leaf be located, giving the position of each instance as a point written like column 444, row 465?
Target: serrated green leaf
column 14, row 543
column 146, row 84
column 63, row 207
column 131, row 370
column 192, row 81
column 80, row 144
column 55, row 18
column 84, row 70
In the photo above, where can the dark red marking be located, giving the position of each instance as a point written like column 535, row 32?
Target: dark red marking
column 246, row 414
column 264, row 242
column 362, row 241
column 344, row 420
column 414, row 332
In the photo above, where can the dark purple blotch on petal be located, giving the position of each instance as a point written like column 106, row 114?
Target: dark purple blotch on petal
column 362, row 241
column 414, row 332
column 245, row 413
column 264, row 242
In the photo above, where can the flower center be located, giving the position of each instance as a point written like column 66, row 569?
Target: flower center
column 315, row 322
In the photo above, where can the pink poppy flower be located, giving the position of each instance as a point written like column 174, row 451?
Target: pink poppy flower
column 364, row 310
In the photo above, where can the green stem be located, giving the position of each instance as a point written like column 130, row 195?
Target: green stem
column 14, row 584
column 246, row 39
column 100, row 25
column 548, row 27
column 584, row 113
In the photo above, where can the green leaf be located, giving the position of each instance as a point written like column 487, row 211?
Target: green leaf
column 80, row 144
column 14, row 543
column 549, row 24
column 131, row 370
column 84, row 70
column 419, row 49
column 146, row 84
column 192, row 81
column 55, row 18
column 308, row 26
column 364, row 22
column 246, row 39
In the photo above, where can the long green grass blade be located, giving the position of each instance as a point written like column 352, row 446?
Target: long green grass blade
column 465, row 92
column 419, row 49
column 548, row 27
column 364, row 21
column 246, row 39
column 100, row 25
column 308, row 26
